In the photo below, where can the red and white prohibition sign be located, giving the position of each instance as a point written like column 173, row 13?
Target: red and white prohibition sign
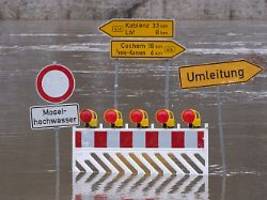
column 55, row 83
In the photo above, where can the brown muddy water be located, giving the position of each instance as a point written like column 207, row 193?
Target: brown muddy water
column 27, row 158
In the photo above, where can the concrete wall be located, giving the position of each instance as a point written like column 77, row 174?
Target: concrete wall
column 104, row 9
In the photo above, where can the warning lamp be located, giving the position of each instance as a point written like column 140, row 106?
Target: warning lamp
column 89, row 117
column 139, row 117
column 162, row 116
column 136, row 116
column 113, row 117
column 165, row 117
column 110, row 116
column 192, row 118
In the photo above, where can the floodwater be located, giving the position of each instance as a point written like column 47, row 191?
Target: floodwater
column 238, row 159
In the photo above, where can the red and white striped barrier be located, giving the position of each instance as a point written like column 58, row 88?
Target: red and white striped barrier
column 138, row 138
column 136, row 150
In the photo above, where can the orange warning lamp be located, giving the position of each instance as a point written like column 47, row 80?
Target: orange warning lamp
column 165, row 117
column 89, row 117
column 191, row 117
column 139, row 117
column 113, row 117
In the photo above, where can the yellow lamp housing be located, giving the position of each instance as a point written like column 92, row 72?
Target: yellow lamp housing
column 94, row 121
column 119, row 121
column 171, row 121
column 145, row 120
column 197, row 121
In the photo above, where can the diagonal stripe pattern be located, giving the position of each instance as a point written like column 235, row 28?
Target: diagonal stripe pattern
column 147, row 163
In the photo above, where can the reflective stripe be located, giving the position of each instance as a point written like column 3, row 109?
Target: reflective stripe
column 113, row 138
column 139, row 138
column 78, row 139
column 152, row 139
column 200, row 139
column 165, row 139
column 177, row 139
column 88, row 138
column 101, row 139
column 126, row 139
column 191, row 139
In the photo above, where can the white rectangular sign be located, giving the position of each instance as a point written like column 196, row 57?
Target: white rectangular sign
column 51, row 116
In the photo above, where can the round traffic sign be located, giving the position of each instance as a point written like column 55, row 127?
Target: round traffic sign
column 55, row 83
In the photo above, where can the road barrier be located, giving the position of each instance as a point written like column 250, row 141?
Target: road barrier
column 140, row 150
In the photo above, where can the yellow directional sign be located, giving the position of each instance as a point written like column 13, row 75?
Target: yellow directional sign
column 145, row 49
column 213, row 74
column 138, row 28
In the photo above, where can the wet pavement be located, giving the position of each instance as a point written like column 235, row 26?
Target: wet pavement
column 27, row 157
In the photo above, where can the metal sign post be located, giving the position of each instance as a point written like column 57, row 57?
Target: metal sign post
column 221, row 133
column 57, row 162
column 116, row 85
column 55, row 84
column 167, row 85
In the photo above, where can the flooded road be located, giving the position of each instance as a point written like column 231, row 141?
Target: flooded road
column 27, row 158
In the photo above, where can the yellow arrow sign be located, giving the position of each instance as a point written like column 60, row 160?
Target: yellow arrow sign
column 214, row 74
column 138, row 28
column 145, row 49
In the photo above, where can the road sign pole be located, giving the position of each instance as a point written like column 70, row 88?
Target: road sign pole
column 57, row 163
column 167, row 84
column 57, row 151
column 57, row 159
column 116, row 84
column 221, row 133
